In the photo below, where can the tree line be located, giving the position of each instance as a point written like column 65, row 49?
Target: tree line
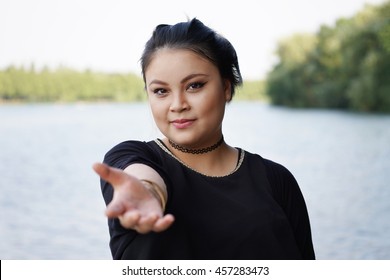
column 18, row 84
column 67, row 85
column 343, row 66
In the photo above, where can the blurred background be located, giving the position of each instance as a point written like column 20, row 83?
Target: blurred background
column 316, row 98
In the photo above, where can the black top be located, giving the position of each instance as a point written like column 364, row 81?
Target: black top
column 256, row 212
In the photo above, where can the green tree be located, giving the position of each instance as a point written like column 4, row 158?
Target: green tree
column 344, row 66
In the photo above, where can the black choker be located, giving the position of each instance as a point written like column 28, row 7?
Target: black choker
column 196, row 151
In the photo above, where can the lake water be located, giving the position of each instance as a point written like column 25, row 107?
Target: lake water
column 50, row 201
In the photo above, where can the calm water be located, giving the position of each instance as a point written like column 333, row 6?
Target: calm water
column 50, row 201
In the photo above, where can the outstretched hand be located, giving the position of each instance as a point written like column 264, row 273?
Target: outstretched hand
column 133, row 204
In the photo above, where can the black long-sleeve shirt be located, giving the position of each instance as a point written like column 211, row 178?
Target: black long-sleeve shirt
column 256, row 212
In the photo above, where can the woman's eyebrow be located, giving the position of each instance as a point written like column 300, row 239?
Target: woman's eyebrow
column 189, row 77
column 159, row 82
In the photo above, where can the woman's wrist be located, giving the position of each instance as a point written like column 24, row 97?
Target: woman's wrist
column 156, row 191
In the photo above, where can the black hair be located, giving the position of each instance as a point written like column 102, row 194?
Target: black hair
column 195, row 36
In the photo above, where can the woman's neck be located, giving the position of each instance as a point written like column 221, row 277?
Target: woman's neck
column 219, row 161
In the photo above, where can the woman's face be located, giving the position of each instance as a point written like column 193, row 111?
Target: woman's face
column 187, row 97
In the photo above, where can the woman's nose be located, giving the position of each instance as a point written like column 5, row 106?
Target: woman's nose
column 179, row 102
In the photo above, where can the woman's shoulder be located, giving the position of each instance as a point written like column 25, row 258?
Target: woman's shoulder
column 276, row 169
column 278, row 175
column 128, row 144
column 129, row 151
column 132, row 146
column 283, row 185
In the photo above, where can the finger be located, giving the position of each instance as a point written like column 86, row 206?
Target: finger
column 145, row 224
column 130, row 219
column 163, row 223
column 112, row 175
column 114, row 210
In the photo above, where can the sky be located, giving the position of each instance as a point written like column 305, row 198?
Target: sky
column 109, row 35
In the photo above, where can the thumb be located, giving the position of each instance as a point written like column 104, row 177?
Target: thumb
column 112, row 175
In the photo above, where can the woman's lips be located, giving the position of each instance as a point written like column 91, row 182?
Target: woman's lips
column 182, row 123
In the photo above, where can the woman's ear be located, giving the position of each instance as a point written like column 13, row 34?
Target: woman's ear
column 228, row 90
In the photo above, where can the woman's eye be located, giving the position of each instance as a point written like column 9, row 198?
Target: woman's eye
column 159, row 91
column 195, row 86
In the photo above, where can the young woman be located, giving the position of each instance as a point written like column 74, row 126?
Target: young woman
column 190, row 195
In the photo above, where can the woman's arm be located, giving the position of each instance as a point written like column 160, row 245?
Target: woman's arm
column 287, row 193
